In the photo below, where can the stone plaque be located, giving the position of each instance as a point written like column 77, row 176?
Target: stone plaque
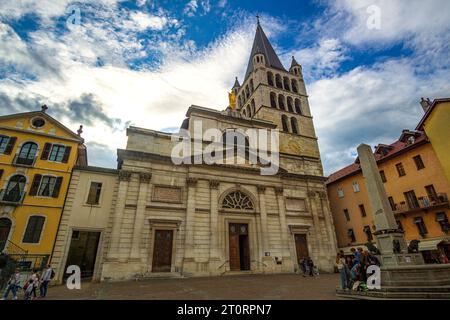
column 296, row 204
column 167, row 194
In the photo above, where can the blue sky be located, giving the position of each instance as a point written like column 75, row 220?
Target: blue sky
column 107, row 64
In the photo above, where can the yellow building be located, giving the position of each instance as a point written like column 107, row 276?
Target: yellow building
column 417, row 190
column 436, row 124
column 37, row 154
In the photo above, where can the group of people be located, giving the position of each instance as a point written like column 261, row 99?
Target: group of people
column 353, row 268
column 308, row 268
column 34, row 282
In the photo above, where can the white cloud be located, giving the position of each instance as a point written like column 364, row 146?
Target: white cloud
column 322, row 59
column 147, row 98
column 411, row 21
column 370, row 105
column 193, row 6
column 142, row 21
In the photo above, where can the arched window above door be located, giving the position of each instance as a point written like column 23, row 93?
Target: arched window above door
column 237, row 200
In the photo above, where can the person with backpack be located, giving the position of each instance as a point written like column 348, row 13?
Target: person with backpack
column 47, row 276
column 13, row 285
column 31, row 286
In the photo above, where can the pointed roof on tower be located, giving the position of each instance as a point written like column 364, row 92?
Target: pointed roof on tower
column 262, row 45
column 236, row 84
column 294, row 63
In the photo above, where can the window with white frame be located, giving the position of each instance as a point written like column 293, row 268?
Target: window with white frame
column 340, row 192
column 355, row 186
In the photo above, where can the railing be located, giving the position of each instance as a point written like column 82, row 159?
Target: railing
column 439, row 199
column 29, row 262
column 11, row 198
column 27, row 162
column 13, row 249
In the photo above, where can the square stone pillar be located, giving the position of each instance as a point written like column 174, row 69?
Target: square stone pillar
column 124, row 178
column 144, row 179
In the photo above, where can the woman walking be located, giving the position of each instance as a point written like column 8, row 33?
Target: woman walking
column 341, row 266
column 32, row 285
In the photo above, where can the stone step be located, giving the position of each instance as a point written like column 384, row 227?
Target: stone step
column 161, row 275
column 434, row 293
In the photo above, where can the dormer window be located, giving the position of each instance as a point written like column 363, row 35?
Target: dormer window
column 411, row 140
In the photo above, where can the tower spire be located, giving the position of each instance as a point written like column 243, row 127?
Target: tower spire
column 261, row 44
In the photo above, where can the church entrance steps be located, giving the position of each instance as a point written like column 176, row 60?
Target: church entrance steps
column 162, row 275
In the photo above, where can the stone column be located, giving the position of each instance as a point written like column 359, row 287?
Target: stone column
column 144, row 179
column 190, row 216
column 315, row 215
column 287, row 261
column 264, row 235
column 390, row 240
column 214, row 254
column 124, row 179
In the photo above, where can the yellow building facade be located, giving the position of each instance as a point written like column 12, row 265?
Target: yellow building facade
column 436, row 124
column 37, row 154
column 417, row 190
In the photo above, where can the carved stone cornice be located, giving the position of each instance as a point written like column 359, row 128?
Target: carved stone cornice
column 214, row 184
column 191, row 182
column 125, row 175
column 279, row 191
column 311, row 194
column 261, row 189
column 145, row 177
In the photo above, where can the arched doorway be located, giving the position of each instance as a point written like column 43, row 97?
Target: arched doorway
column 5, row 228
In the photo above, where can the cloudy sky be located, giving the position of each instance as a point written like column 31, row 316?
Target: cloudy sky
column 108, row 64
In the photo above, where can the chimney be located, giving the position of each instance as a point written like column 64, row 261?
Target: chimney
column 425, row 104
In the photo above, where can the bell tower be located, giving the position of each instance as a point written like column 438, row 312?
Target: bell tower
column 272, row 93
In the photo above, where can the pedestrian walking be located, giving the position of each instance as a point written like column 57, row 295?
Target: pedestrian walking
column 31, row 286
column 47, row 276
column 341, row 266
column 12, row 285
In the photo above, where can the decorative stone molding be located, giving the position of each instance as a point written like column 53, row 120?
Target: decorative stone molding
column 261, row 189
column 279, row 191
column 214, row 184
column 167, row 194
column 124, row 175
column 191, row 182
column 311, row 194
column 322, row 195
column 145, row 177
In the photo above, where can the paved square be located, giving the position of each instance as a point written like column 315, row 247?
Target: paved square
column 270, row 287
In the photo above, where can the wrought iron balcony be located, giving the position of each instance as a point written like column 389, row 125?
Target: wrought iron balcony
column 11, row 198
column 21, row 161
column 422, row 203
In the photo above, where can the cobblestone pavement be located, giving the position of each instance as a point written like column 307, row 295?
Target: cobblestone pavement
column 270, row 287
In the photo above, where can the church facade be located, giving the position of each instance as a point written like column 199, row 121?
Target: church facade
column 203, row 219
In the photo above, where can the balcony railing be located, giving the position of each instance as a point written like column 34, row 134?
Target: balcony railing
column 21, row 161
column 422, row 203
column 11, row 198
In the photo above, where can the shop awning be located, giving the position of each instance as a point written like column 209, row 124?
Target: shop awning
column 431, row 244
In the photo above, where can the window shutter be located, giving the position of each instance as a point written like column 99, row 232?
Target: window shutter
column 66, row 154
column 35, row 185
column 10, row 145
column 46, row 151
column 57, row 187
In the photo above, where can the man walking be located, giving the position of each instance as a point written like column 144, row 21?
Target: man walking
column 47, row 276
column 13, row 285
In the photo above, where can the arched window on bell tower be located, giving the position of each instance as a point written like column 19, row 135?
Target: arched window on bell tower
column 284, row 123
column 281, row 102
column 294, row 125
column 273, row 100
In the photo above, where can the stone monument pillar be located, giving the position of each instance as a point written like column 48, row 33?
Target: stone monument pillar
column 390, row 240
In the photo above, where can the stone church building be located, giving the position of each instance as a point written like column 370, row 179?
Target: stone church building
column 199, row 219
